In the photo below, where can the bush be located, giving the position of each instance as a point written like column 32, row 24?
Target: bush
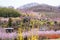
column 9, row 12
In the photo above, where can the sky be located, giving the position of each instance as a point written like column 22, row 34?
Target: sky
column 18, row 3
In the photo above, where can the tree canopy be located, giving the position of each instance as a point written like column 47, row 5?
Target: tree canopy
column 9, row 12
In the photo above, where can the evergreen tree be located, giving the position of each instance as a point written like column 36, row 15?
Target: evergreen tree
column 10, row 22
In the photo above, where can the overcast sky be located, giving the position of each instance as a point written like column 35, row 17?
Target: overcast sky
column 17, row 3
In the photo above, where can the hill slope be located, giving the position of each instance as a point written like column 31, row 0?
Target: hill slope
column 49, row 11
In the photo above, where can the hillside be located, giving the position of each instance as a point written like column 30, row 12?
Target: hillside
column 39, row 7
column 48, row 10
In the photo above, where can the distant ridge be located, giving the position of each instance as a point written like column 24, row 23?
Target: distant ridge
column 39, row 7
column 28, row 5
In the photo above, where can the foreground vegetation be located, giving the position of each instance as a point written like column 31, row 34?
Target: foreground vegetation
column 25, row 22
